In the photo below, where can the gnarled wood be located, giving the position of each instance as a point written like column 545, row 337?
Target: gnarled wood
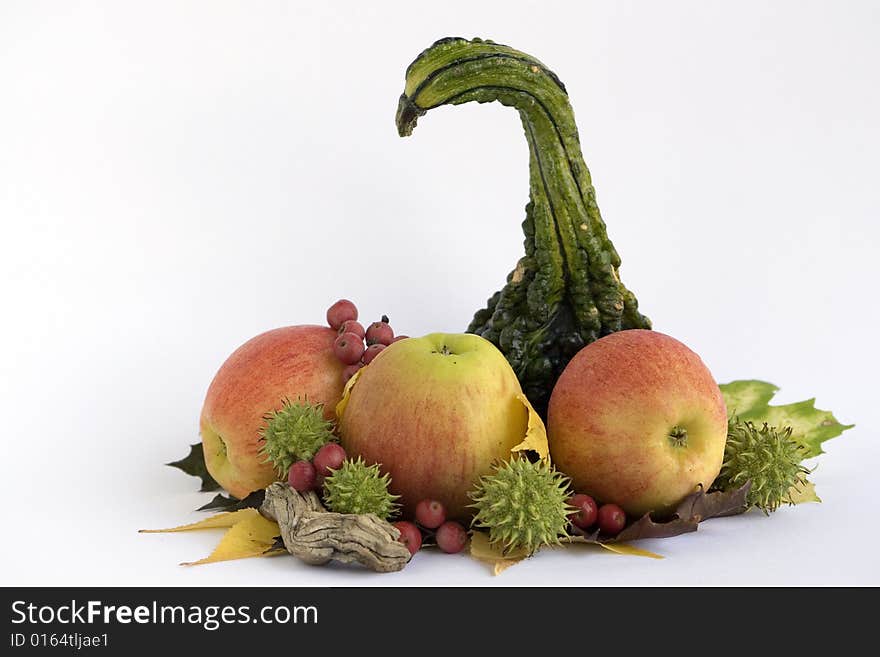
column 317, row 536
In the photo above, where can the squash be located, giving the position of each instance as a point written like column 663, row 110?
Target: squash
column 565, row 292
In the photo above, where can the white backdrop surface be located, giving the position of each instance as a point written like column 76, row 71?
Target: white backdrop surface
column 176, row 177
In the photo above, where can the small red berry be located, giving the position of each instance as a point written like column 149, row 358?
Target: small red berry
column 451, row 537
column 430, row 514
column 379, row 333
column 612, row 519
column 348, row 348
column 371, row 352
column 340, row 312
column 587, row 511
column 352, row 326
column 301, row 476
column 329, row 457
column 410, row 535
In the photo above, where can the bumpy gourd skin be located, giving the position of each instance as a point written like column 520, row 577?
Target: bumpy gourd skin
column 565, row 292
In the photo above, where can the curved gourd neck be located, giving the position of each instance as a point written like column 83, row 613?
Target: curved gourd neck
column 565, row 292
column 455, row 71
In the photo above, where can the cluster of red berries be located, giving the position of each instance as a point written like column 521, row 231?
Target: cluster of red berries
column 349, row 346
column 304, row 476
column 450, row 536
column 610, row 517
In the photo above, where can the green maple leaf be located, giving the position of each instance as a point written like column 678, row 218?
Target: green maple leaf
column 810, row 426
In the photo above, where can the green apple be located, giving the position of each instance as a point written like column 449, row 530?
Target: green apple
column 637, row 419
column 435, row 412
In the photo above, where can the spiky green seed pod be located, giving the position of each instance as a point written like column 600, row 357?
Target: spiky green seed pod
column 523, row 505
column 294, row 433
column 766, row 456
column 359, row 488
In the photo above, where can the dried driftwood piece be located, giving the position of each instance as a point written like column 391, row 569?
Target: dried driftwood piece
column 317, row 536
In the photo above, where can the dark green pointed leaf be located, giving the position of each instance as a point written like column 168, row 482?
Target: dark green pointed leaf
column 194, row 464
column 223, row 502
column 219, row 501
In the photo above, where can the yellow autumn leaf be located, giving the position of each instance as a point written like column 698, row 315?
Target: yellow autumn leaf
column 617, row 548
column 803, row 493
column 251, row 537
column 629, row 550
column 483, row 550
column 501, row 566
column 346, row 393
column 225, row 519
column 248, row 534
column 536, row 435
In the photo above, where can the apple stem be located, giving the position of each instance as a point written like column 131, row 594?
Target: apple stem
column 678, row 436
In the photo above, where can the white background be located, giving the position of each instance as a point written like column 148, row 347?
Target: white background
column 176, row 177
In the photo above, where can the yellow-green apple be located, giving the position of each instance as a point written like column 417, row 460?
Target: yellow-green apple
column 637, row 419
column 434, row 412
column 294, row 362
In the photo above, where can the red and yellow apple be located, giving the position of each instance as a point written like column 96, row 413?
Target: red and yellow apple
column 434, row 412
column 294, row 362
column 637, row 419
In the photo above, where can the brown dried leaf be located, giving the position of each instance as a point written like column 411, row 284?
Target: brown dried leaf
column 715, row 504
column 695, row 508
